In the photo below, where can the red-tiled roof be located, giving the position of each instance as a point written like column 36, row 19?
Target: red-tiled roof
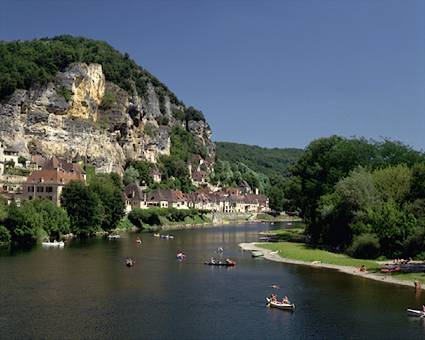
column 52, row 176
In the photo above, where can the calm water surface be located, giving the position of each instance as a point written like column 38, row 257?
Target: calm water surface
column 85, row 291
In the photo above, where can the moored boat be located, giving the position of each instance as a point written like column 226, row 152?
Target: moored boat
column 256, row 253
column 415, row 312
column 55, row 243
column 167, row 237
column 227, row 263
column 280, row 305
column 114, row 237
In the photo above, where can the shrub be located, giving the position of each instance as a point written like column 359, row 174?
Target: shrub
column 365, row 246
column 65, row 93
column 4, row 235
column 108, row 100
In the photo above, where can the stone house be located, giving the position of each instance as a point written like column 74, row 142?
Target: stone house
column 49, row 182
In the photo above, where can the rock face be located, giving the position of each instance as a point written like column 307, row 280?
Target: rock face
column 80, row 115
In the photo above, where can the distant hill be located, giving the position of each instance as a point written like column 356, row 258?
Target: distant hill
column 268, row 161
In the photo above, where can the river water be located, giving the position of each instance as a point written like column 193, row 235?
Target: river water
column 86, row 291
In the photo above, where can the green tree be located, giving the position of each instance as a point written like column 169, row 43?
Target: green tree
column 55, row 219
column 110, row 195
column 84, row 208
column 24, row 223
column 131, row 175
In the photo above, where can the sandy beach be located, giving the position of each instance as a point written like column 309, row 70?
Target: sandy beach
column 269, row 255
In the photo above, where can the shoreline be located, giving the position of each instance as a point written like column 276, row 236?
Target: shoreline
column 344, row 269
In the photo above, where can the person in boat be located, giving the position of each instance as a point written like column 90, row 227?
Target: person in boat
column 212, row 260
column 273, row 298
column 363, row 268
column 285, row 300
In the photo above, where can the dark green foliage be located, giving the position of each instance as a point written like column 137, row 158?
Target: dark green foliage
column 55, row 219
column 4, row 235
column 33, row 219
column 65, row 93
column 229, row 174
column 365, row 246
column 178, row 114
column 84, row 208
column 23, row 223
column 140, row 217
column 192, row 114
column 144, row 218
column 353, row 187
column 139, row 172
column 262, row 160
column 108, row 188
column 22, row 160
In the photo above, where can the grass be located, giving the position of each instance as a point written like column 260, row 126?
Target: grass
column 409, row 277
column 302, row 252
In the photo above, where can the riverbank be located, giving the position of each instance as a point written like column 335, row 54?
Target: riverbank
column 292, row 253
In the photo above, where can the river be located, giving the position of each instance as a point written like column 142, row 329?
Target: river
column 86, row 291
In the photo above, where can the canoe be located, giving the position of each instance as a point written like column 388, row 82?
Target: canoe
column 60, row 244
column 280, row 305
column 256, row 253
column 221, row 263
column 130, row 262
column 180, row 256
column 414, row 312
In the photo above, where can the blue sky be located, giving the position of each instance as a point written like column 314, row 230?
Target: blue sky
column 271, row 73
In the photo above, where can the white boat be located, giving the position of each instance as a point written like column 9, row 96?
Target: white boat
column 256, row 253
column 415, row 312
column 114, row 237
column 280, row 305
column 55, row 243
column 274, row 252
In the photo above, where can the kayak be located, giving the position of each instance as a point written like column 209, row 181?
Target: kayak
column 414, row 312
column 221, row 263
column 280, row 305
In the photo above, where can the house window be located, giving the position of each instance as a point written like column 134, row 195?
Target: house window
column 40, row 189
column 30, row 189
column 49, row 189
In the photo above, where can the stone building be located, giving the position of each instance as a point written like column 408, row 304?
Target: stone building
column 49, row 182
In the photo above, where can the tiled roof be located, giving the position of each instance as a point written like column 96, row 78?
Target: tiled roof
column 52, row 176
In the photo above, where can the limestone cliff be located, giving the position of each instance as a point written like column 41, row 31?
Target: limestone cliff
column 81, row 115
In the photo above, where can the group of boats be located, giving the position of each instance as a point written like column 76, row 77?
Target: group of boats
column 226, row 263
column 54, row 244
column 166, row 237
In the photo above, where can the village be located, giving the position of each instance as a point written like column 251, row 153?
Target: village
column 22, row 179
